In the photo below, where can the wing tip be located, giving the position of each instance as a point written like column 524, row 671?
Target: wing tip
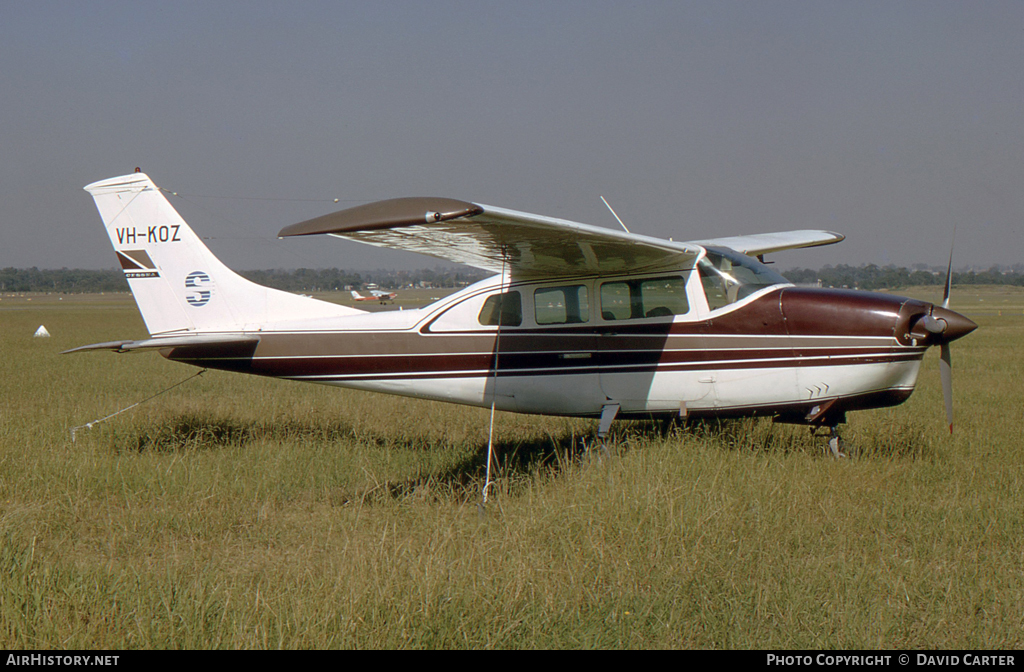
column 388, row 214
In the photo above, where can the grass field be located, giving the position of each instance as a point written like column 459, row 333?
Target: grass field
column 238, row 512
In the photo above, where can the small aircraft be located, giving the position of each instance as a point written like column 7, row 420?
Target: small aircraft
column 375, row 295
column 578, row 320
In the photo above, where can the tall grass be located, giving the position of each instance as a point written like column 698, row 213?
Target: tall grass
column 241, row 512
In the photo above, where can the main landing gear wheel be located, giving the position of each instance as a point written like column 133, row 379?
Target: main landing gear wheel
column 836, row 443
column 608, row 413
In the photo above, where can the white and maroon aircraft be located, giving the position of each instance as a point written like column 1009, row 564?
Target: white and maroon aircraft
column 578, row 320
column 375, row 295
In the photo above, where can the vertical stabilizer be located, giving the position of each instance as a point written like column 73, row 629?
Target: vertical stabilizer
column 177, row 282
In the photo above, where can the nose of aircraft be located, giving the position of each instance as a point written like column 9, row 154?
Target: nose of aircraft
column 957, row 326
column 942, row 325
column 946, row 326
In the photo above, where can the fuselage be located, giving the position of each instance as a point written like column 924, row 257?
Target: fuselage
column 727, row 337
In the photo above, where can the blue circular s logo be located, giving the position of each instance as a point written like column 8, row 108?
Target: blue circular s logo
column 201, row 286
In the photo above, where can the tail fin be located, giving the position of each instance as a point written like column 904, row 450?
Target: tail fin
column 177, row 282
column 356, row 295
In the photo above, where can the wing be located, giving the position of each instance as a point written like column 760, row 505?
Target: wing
column 496, row 239
column 763, row 243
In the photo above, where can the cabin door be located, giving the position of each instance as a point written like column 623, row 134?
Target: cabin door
column 646, row 341
column 550, row 368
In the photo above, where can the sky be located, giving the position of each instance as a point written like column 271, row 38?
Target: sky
column 889, row 122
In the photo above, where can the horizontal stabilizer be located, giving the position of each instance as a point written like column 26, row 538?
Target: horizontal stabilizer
column 170, row 342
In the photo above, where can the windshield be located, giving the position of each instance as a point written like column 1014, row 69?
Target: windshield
column 729, row 276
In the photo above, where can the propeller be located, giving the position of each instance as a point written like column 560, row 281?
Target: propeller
column 942, row 326
column 945, row 361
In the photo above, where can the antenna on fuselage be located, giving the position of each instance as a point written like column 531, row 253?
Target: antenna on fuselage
column 615, row 215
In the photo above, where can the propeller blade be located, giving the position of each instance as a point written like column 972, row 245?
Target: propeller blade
column 946, row 372
column 949, row 273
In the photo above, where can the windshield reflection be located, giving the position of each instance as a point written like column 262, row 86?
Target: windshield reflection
column 729, row 276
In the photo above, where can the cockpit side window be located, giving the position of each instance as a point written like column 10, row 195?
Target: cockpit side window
column 649, row 297
column 729, row 276
column 510, row 307
column 663, row 297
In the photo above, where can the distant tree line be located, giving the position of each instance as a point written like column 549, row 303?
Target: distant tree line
column 71, row 281
column 77, row 281
column 328, row 279
column 891, row 277
column 65, row 280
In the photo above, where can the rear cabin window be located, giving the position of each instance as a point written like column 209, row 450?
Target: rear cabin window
column 561, row 305
column 650, row 297
column 508, row 305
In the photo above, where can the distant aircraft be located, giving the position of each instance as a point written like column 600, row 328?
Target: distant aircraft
column 578, row 320
column 375, row 295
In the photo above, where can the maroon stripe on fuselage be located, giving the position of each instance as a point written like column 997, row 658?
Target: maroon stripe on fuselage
column 818, row 328
column 369, row 368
